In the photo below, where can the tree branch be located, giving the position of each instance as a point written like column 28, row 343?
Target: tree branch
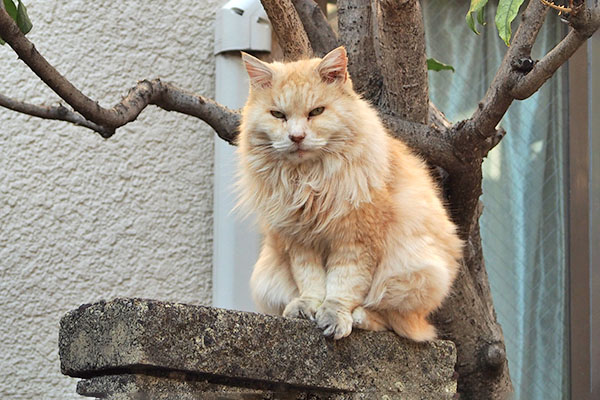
column 59, row 112
column 289, row 29
column 320, row 34
column 400, row 50
column 584, row 24
column 431, row 143
column 479, row 134
column 10, row 32
column 474, row 132
column 102, row 120
column 162, row 94
column 223, row 120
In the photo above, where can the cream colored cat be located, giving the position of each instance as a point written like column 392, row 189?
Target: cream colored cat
column 355, row 232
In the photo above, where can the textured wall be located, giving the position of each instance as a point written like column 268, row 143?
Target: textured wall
column 83, row 218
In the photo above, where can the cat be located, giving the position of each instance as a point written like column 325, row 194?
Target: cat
column 355, row 232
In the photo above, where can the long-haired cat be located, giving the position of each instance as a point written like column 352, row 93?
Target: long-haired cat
column 355, row 233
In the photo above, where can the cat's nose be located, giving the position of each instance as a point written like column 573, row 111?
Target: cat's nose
column 297, row 137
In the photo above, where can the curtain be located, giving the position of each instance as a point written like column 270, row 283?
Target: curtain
column 523, row 223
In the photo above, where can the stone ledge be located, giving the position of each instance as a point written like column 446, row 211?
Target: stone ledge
column 134, row 345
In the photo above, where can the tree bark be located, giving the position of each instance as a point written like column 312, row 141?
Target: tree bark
column 400, row 50
column 288, row 27
column 469, row 319
column 320, row 34
column 356, row 28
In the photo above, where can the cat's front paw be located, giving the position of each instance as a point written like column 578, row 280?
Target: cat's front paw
column 334, row 319
column 302, row 307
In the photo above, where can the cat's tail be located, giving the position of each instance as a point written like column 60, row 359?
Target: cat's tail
column 412, row 325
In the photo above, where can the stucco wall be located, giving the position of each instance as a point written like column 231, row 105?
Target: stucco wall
column 83, row 218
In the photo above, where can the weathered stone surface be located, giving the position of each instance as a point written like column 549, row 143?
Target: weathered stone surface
column 149, row 341
column 173, row 386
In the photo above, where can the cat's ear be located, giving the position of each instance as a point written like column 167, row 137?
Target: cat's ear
column 259, row 72
column 333, row 67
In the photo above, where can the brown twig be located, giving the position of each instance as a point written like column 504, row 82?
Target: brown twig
column 162, row 94
column 560, row 9
column 223, row 120
column 59, row 112
column 320, row 34
column 289, row 29
column 10, row 32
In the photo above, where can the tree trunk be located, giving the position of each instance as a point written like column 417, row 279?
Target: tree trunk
column 469, row 320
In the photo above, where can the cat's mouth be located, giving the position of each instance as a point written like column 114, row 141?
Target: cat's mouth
column 297, row 151
column 300, row 152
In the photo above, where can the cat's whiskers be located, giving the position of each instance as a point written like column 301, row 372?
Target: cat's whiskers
column 311, row 145
column 280, row 147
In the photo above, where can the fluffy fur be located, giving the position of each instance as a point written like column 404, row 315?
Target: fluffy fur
column 355, row 233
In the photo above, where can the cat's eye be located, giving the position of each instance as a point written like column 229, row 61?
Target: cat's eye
column 278, row 114
column 316, row 111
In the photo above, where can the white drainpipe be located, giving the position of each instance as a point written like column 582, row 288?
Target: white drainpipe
column 240, row 25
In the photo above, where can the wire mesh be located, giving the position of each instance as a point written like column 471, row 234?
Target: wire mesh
column 522, row 225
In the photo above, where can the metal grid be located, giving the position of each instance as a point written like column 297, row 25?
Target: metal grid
column 522, row 225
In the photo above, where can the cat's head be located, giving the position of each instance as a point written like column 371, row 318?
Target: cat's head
column 300, row 110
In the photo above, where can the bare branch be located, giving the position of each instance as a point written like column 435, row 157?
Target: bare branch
column 103, row 120
column 322, row 37
column 59, row 112
column 164, row 95
column 11, row 34
column 478, row 134
column 585, row 23
column 356, row 28
column 431, row 143
column 437, row 118
column 289, row 29
column 222, row 119
column 402, row 59
column 474, row 132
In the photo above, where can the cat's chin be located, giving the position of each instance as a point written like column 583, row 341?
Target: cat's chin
column 301, row 155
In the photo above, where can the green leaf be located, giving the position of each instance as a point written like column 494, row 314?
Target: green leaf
column 505, row 15
column 23, row 20
column 476, row 7
column 435, row 65
column 10, row 8
column 481, row 16
column 19, row 14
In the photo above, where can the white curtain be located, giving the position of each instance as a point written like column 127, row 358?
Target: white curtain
column 523, row 224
